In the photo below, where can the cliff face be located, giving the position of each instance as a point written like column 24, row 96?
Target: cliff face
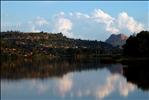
column 117, row 40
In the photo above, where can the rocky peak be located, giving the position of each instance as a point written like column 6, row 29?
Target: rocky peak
column 117, row 39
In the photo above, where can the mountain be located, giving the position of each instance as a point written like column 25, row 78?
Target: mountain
column 117, row 40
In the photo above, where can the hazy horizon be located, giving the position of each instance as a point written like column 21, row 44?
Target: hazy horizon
column 93, row 20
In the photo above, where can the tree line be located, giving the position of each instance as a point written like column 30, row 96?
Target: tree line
column 137, row 45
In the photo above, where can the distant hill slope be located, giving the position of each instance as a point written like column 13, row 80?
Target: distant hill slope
column 51, row 44
column 117, row 40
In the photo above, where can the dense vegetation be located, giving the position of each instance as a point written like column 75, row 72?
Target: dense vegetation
column 137, row 45
column 16, row 44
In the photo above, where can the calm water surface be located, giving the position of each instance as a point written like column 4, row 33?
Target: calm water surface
column 74, row 81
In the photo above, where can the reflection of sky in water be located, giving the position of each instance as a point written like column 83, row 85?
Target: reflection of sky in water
column 95, row 84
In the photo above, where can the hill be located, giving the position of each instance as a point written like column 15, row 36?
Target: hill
column 117, row 40
column 51, row 44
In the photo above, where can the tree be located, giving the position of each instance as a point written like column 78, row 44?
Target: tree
column 137, row 45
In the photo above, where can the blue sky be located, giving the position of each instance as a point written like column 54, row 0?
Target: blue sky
column 77, row 19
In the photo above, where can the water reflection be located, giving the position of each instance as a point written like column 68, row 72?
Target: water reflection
column 137, row 74
column 76, row 80
column 19, row 69
column 115, row 82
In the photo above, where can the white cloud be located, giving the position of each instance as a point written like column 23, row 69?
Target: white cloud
column 40, row 21
column 37, row 24
column 127, row 22
column 101, row 16
column 64, row 25
column 33, row 29
column 78, row 15
column 70, row 14
column 60, row 14
column 115, row 25
column 112, row 29
column 81, row 15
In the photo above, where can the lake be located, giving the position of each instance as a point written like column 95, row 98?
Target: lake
column 71, row 79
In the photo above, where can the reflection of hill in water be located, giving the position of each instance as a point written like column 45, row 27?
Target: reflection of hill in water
column 137, row 74
column 43, row 68
column 19, row 69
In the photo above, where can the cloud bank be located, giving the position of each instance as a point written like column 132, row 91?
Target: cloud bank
column 94, row 25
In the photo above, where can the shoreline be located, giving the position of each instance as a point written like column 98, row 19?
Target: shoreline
column 103, row 58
